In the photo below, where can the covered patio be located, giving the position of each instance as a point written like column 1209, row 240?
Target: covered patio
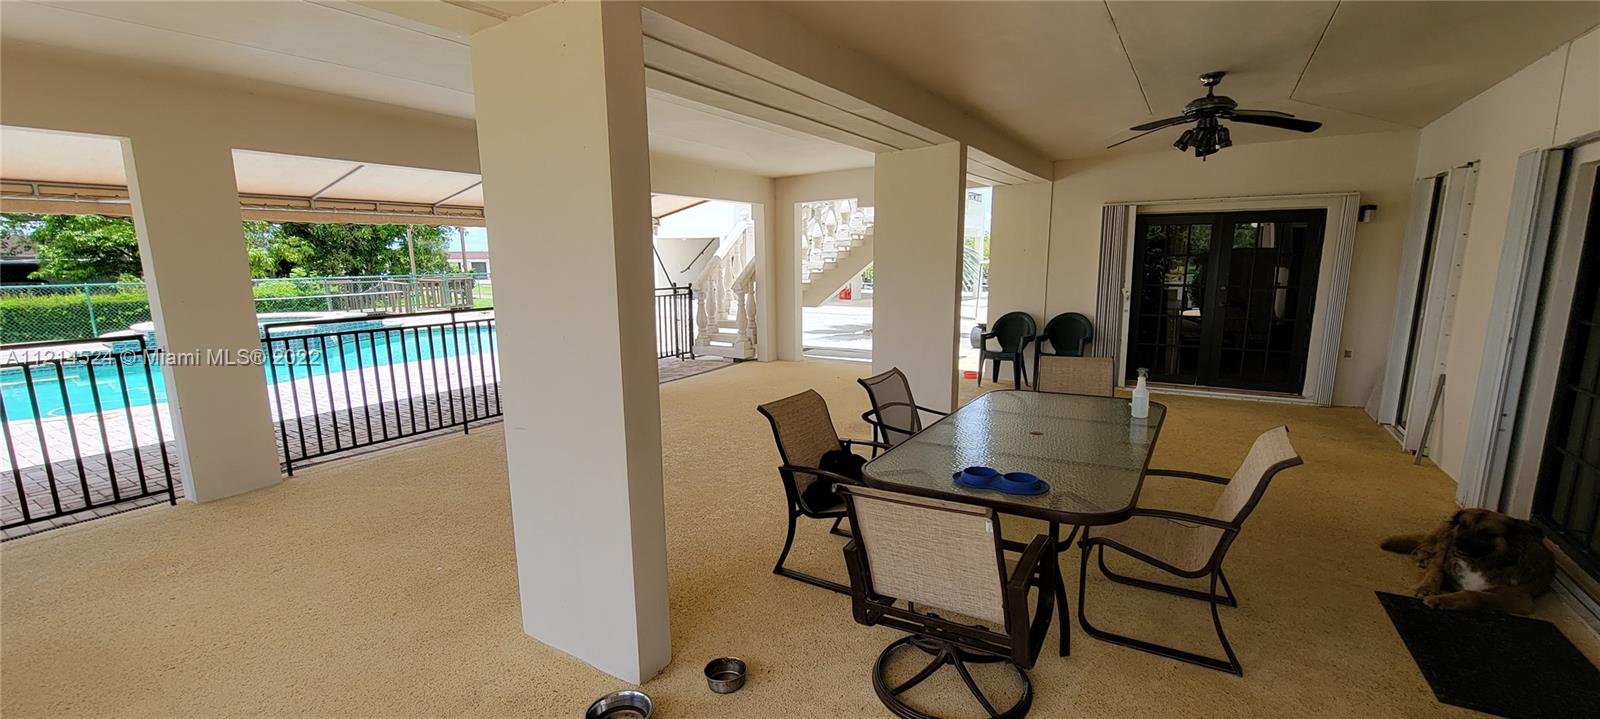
column 410, row 605
column 1413, row 200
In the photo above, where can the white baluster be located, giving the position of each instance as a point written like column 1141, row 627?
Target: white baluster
column 742, row 315
column 702, row 317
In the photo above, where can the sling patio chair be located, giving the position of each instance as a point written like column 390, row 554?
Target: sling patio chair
column 1189, row 545
column 1075, row 375
column 804, row 432
column 895, row 415
column 936, row 569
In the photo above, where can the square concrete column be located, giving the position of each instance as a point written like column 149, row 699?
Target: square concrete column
column 566, row 177
column 1019, row 250
column 197, row 272
column 916, row 297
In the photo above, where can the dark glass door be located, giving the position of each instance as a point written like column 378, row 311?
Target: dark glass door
column 1225, row 299
column 1567, row 497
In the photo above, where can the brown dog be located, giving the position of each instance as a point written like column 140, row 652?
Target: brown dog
column 1479, row 560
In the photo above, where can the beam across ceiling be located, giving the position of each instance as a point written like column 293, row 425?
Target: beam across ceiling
column 768, row 63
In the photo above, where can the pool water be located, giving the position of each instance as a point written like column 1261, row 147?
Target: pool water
column 74, row 390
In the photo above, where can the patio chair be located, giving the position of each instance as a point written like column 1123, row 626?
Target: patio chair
column 1075, row 375
column 1068, row 334
column 1189, row 545
column 1013, row 331
column 895, row 415
column 914, row 558
column 804, row 432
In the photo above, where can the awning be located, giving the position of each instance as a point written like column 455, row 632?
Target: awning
column 64, row 173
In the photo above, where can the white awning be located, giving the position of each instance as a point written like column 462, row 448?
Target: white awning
column 55, row 172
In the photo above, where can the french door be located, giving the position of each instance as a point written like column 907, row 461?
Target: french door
column 1225, row 299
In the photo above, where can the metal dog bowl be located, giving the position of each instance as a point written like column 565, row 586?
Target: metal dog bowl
column 725, row 675
column 626, row 704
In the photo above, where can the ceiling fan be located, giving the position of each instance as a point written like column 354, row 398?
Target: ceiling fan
column 1209, row 134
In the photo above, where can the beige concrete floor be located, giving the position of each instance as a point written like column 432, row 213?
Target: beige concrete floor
column 385, row 586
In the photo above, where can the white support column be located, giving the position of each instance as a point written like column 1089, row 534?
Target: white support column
column 1019, row 250
column 566, row 177
column 191, row 244
column 916, row 300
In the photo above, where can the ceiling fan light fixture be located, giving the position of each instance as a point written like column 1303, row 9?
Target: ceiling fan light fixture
column 1208, row 113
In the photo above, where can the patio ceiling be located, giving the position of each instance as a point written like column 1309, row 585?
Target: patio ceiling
column 46, row 171
column 362, row 50
column 1064, row 78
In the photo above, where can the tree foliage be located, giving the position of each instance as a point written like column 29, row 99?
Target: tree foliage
column 79, row 248
column 295, row 249
column 93, row 248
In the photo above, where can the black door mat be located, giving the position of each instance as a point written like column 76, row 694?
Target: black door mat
column 1497, row 663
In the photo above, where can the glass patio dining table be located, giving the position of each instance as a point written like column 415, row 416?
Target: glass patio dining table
column 1090, row 450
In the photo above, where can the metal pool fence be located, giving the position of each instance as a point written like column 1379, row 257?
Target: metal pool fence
column 338, row 385
column 96, row 448
column 84, row 420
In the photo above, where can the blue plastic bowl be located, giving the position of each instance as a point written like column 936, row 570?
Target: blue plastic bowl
column 1020, row 483
column 978, row 477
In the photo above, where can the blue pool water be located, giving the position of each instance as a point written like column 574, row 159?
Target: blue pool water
column 53, row 395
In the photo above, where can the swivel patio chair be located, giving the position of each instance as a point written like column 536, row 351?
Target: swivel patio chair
column 1075, row 375
column 1013, row 331
column 1189, row 545
column 895, row 415
column 914, row 558
column 804, row 432
column 1068, row 334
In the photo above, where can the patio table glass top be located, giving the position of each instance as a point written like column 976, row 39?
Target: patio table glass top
column 1090, row 450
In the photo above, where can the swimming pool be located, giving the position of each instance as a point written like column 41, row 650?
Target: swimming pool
column 118, row 380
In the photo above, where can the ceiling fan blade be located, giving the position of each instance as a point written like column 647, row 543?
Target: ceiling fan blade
column 1158, row 124
column 1135, row 137
column 1287, row 123
column 1273, row 113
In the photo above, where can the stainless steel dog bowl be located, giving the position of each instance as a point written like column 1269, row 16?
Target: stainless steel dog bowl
column 626, row 704
column 725, row 675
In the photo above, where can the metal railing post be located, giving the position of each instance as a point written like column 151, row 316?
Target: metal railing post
column 88, row 299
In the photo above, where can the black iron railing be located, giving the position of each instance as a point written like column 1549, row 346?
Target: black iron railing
column 675, row 322
column 82, row 428
column 338, row 385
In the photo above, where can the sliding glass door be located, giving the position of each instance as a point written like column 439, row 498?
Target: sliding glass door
column 1567, row 496
column 1225, row 299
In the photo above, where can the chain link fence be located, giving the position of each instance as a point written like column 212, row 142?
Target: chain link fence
column 40, row 313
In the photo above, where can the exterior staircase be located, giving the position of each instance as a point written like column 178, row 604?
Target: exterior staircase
column 836, row 244
column 725, row 315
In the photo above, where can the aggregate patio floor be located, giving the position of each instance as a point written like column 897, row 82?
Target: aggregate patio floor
column 386, row 585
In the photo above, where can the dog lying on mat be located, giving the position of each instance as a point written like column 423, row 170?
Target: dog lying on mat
column 1479, row 560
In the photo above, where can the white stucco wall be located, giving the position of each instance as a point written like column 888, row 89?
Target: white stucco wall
column 1551, row 101
column 917, row 268
column 1019, row 250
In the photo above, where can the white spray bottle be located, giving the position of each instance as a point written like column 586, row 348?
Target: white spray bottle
column 1141, row 396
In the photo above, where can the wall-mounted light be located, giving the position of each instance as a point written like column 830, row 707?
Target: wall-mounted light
column 1366, row 213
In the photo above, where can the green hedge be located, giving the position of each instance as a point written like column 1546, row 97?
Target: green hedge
column 286, row 289
column 40, row 318
column 65, row 315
